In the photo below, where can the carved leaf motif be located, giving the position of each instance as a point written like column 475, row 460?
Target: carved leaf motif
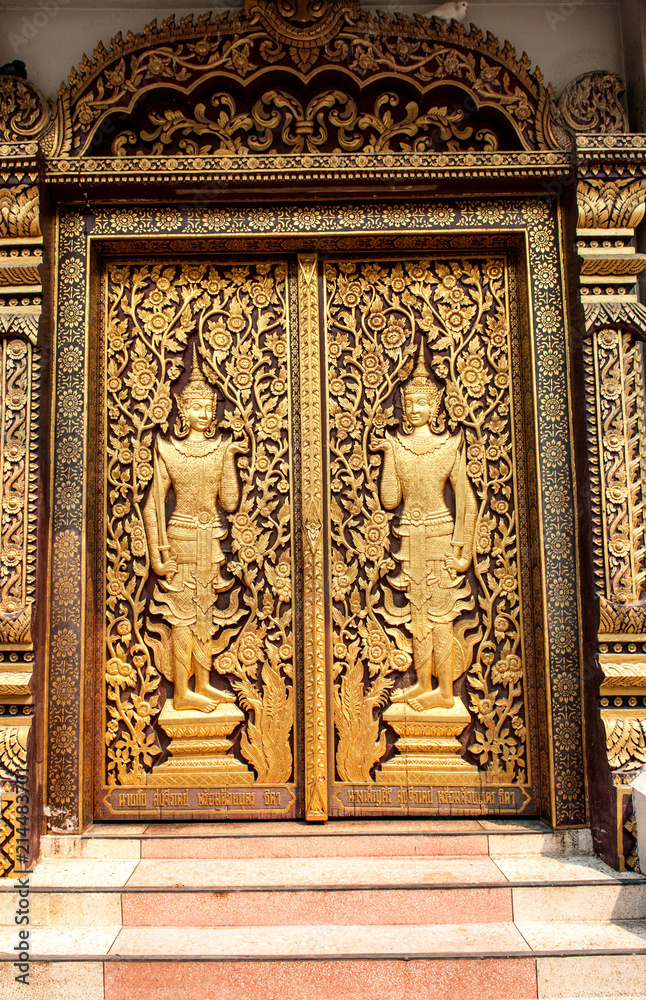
column 19, row 211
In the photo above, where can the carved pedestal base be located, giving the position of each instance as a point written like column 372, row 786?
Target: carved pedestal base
column 199, row 748
column 429, row 751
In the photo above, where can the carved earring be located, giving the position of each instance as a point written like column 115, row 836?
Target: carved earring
column 438, row 423
column 182, row 426
column 408, row 427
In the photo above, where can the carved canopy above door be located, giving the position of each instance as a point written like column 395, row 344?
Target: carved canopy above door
column 303, row 76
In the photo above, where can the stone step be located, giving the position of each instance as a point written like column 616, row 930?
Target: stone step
column 300, row 840
column 341, row 891
column 483, row 962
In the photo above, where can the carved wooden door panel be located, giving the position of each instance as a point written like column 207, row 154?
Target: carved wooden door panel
column 312, row 540
column 430, row 651
column 197, row 541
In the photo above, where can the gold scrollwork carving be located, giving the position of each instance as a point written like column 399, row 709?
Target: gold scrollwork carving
column 625, row 739
column 279, row 117
column 13, row 749
column 19, row 211
column 590, row 103
column 8, row 833
column 234, row 319
column 24, row 112
column 373, row 312
column 17, row 443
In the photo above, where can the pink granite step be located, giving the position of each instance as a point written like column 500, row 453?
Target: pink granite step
column 268, row 908
column 316, row 872
column 320, row 941
column 350, row 979
column 328, row 846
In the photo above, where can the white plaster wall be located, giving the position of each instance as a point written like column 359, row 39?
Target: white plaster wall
column 564, row 39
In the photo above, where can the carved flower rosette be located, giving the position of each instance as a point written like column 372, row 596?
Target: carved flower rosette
column 376, row 314
column 235, row 319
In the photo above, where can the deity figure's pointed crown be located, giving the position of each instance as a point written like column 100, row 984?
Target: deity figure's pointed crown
column 421, row 382
column 197, row 387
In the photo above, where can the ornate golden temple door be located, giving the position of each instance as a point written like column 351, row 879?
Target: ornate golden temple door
column 312, row 521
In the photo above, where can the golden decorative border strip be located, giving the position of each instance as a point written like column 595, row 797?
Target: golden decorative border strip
column 314, row 680
column 306, row 167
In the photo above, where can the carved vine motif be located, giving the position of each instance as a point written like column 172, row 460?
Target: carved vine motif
column 618, row 496
column 280, row 122
column 236, row 318
column 16, row 559
column 590, row 103
column 357, row 44
column 373, row 310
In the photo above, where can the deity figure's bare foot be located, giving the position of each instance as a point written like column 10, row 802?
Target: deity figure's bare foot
column 405, row 694
column 215, row 694
column 191, row 700
column 432, row 699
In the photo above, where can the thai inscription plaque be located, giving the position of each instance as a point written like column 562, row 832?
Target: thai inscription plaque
column 311, row 511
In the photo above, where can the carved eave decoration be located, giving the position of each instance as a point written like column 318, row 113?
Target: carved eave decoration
column 358, row 91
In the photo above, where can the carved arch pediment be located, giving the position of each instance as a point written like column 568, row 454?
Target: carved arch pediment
column 303, row 76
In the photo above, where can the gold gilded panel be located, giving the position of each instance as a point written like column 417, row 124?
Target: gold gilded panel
column 198, row 606
column 429, row 671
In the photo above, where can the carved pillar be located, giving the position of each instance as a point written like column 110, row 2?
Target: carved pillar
column 24, row 114
column 612, row 202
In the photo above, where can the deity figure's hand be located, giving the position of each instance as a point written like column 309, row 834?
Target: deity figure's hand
column 169, row 567
column 380, row 444
column 456, row 564
column 238, row 447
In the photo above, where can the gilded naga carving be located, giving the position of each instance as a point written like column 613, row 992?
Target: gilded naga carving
column 186, row 555
column 436, row 548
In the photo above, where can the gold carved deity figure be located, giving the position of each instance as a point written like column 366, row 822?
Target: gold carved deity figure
column 185, row 553
column 436, row 547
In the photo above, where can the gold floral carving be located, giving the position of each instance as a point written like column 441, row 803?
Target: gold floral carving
column 611, row 204
column 279, row 121
column 304, row 26
column 373, row 313
column 314, row 623
column 618, row 619
column 625, row 739
column 234, row 317
column 590, row 103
